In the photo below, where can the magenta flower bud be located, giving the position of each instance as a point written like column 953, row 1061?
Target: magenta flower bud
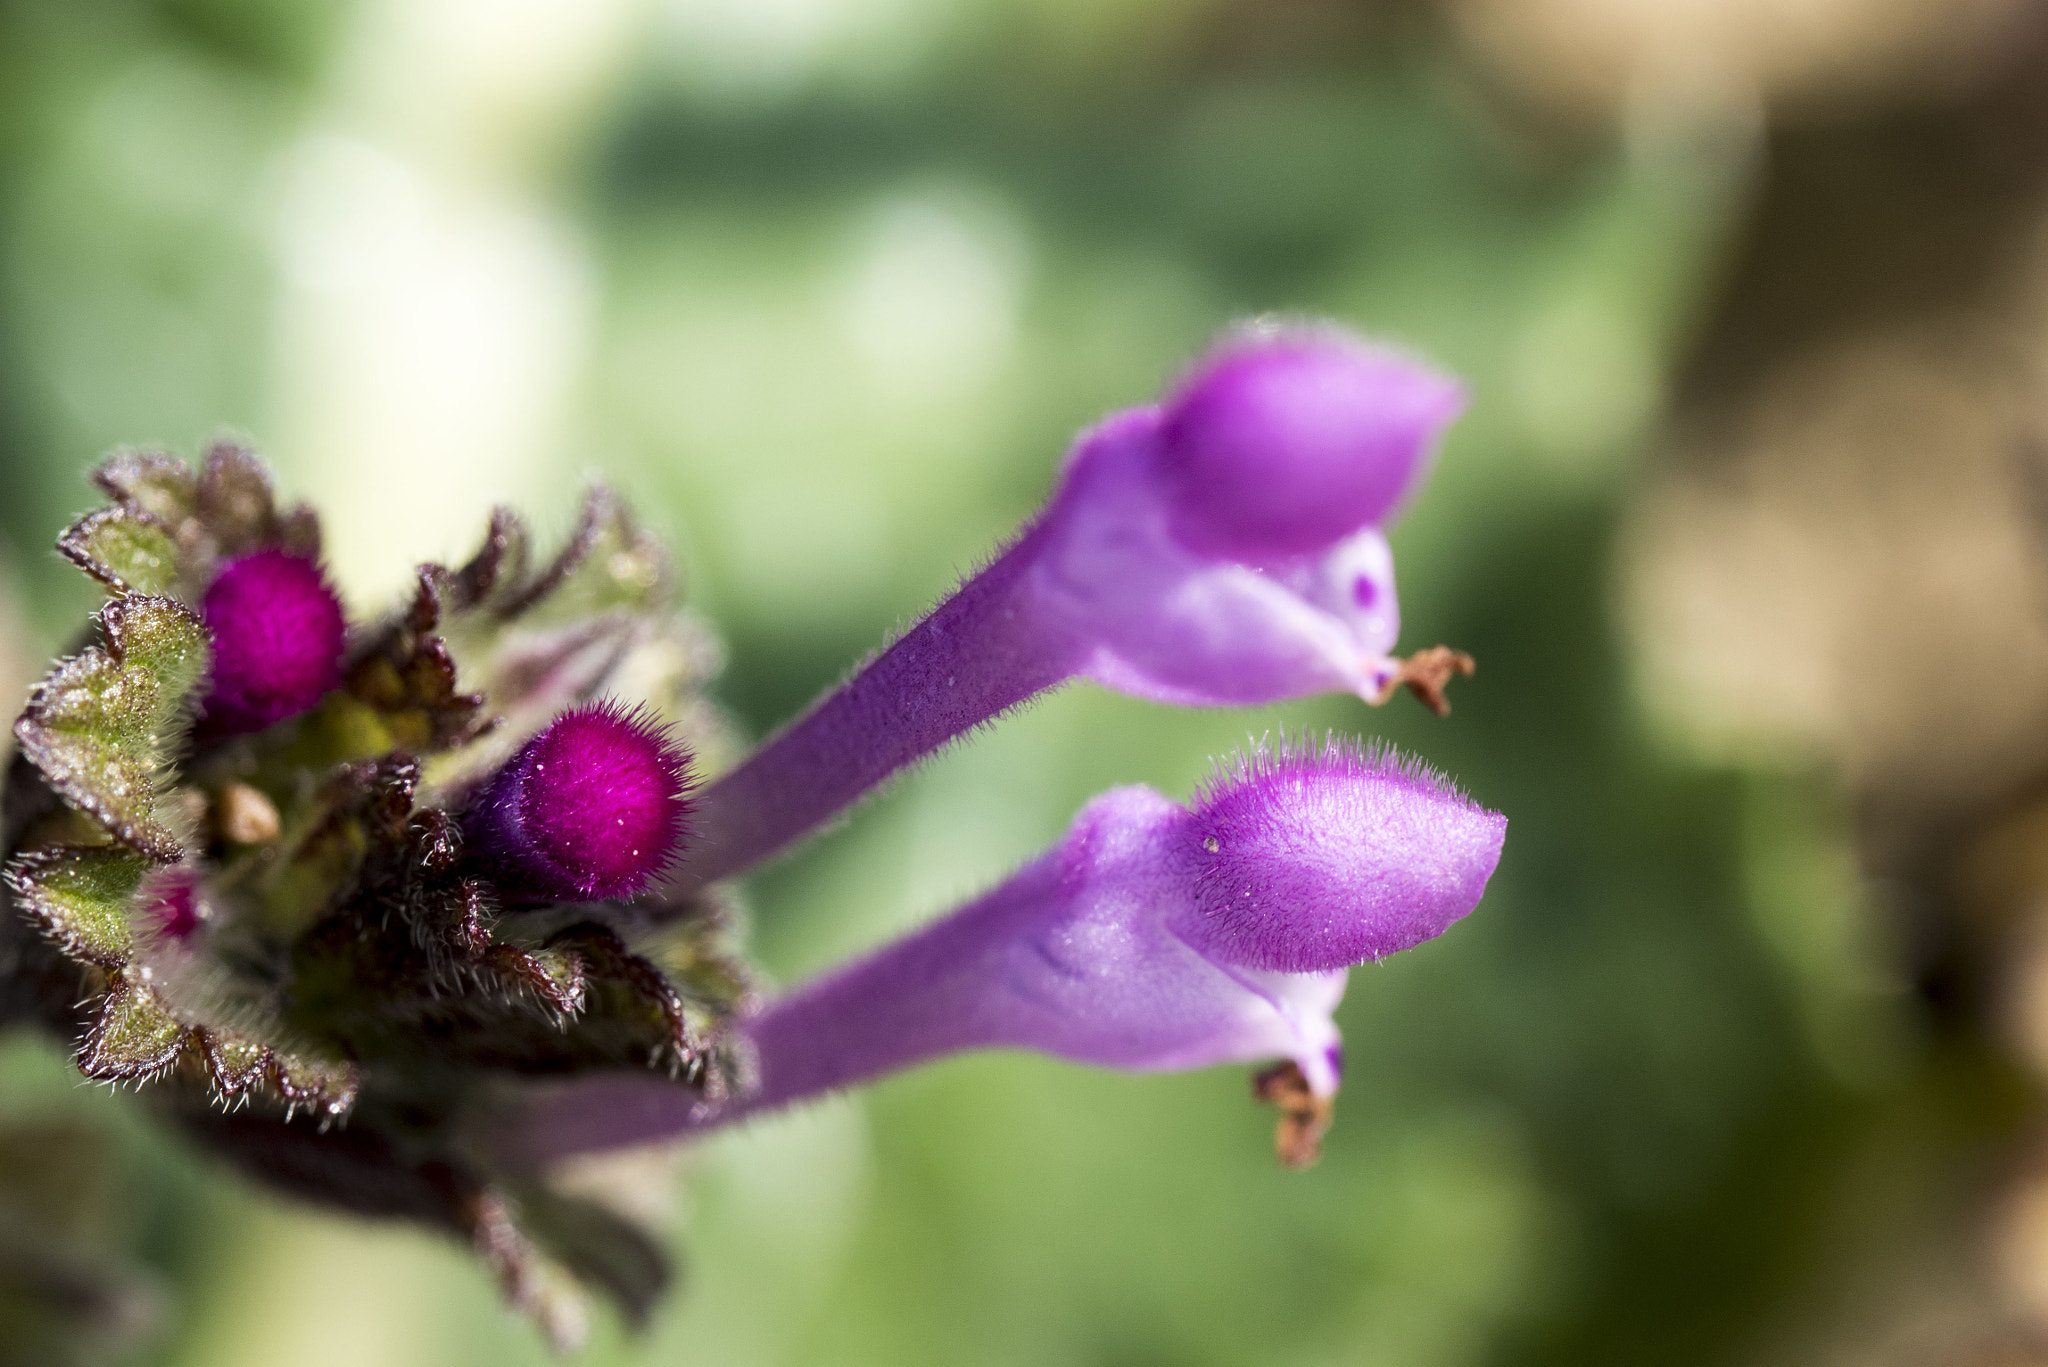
column 1153, row 937
column 1223, row 551
column 278, row 633
column 1286, row 442
column 592, row 807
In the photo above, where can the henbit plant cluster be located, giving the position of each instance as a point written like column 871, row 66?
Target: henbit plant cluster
column 400, row 915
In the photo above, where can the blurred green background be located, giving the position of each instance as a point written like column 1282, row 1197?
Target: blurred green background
column 827, row 285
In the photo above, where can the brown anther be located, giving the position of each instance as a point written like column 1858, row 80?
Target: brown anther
column 245, row 816
column 1304, row 1116
column 1426, row 672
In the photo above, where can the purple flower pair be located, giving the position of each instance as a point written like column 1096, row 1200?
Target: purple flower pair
column 1223, row 548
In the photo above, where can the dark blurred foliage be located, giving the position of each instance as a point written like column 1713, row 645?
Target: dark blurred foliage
column 1859, row 431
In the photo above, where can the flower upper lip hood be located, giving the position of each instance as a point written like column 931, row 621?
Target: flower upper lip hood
column 1312, row 860
column 1286, row 440
column 1156, row 618
column 1221, row 549
column 1225, row 547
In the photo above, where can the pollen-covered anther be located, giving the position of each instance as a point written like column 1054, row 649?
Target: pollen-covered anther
column 593, row 806
column 278, row 633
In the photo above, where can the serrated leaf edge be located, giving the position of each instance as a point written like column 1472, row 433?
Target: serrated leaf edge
column 124, row 991
column 74, row 544
column 23, row 881
column 146, row 836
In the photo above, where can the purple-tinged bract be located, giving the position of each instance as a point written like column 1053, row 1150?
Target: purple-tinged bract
column 278, row 633
column 592, row 807
column 1286, row 441
column 1318, row 860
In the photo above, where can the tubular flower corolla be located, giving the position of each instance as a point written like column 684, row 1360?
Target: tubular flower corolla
column 1222, row 548
column 1154, row 936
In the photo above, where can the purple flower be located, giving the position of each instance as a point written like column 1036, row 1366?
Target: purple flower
column 1223, row 548
column 591, row 807
column 278, row 632
column 1153, row 937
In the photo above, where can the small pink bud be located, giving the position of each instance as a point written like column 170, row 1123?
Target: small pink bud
column 278, row 633
column 591, row 807
column 175, row 910
column 169, row 907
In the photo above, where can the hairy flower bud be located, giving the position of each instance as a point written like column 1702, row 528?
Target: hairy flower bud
column 591, row 807
column 278, row 633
